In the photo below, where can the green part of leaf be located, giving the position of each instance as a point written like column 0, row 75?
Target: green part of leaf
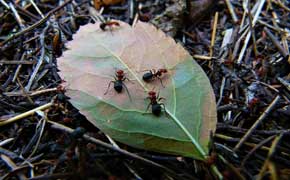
column 124, row 125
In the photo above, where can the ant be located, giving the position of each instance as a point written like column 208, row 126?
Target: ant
column 119, row 82
column 103, row 25
column 153, row 74
column 156, row 106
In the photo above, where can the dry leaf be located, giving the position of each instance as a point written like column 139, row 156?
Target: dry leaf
column 99, row 3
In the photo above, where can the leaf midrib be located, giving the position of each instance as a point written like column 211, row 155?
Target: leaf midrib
column 194, row 142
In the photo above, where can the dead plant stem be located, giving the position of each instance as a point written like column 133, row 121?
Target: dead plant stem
column 255, row 125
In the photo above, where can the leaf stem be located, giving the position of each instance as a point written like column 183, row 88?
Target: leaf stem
column 194, row 142
column 215, row 170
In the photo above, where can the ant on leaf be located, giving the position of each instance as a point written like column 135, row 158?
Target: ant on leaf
column 109, row 24
column 119, row 83
column 153, row 74
column 154, row 102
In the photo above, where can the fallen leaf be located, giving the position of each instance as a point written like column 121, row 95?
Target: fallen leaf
column 90, row 64
column 99, row 3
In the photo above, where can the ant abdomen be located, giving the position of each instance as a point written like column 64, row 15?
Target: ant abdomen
column 156, row 109
column 118, row 86
column 148, row 76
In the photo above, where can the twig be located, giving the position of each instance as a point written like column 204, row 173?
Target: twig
column 273, row 171
column 279, row 3
column 38, row 23
column 12, row 62
column 27, row 13
column 37, row 137
column 24, row 91
column 232, row 168
column 255, row 125
column 18, row 67
column 267, row 85
column 121, row 151
column 36, row 8
column 213, row 34
column 16, row 15
column 6, row 141
column 135, row 20
column 5, row 4
column 13, row 166
column 23, row 115
column 276, row 43
column 260, row 6
column 31, row 93
column 232, row 11
column 41, row 58
column 284, row 83
column 238, row 44
column 262, row 143
column 126, row 164
column 12, row 155
column 275, row 17
column 222, row 126
column 252, row 145
column 279, row 30
column 270, row 154
column 252, row 30
column 221, row 91
column 202, row 57
column 96, row 15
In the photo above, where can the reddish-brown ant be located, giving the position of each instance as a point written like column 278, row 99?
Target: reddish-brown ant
column 119, row 82
column 153, row 74
column 154, row 102
column 110, row 24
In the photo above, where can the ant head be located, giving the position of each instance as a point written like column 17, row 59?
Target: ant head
column 152, row 93
column 120, row 72
column 163, row 70
column 60, row 88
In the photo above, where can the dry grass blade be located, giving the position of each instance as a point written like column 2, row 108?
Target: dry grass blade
column 13, row 166
column 255, row 125
column 26, row 114
column 268, row 162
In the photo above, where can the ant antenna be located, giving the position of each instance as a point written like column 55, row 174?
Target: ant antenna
column 127, row 92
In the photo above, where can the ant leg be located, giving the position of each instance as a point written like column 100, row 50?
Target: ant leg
column 147, row 108
column 147, row 98
column 128, row 80
column 146, row 71
column 111, row 30
column 161, row 98
column 161, row 82
column 127, row 91
column 108, row 87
